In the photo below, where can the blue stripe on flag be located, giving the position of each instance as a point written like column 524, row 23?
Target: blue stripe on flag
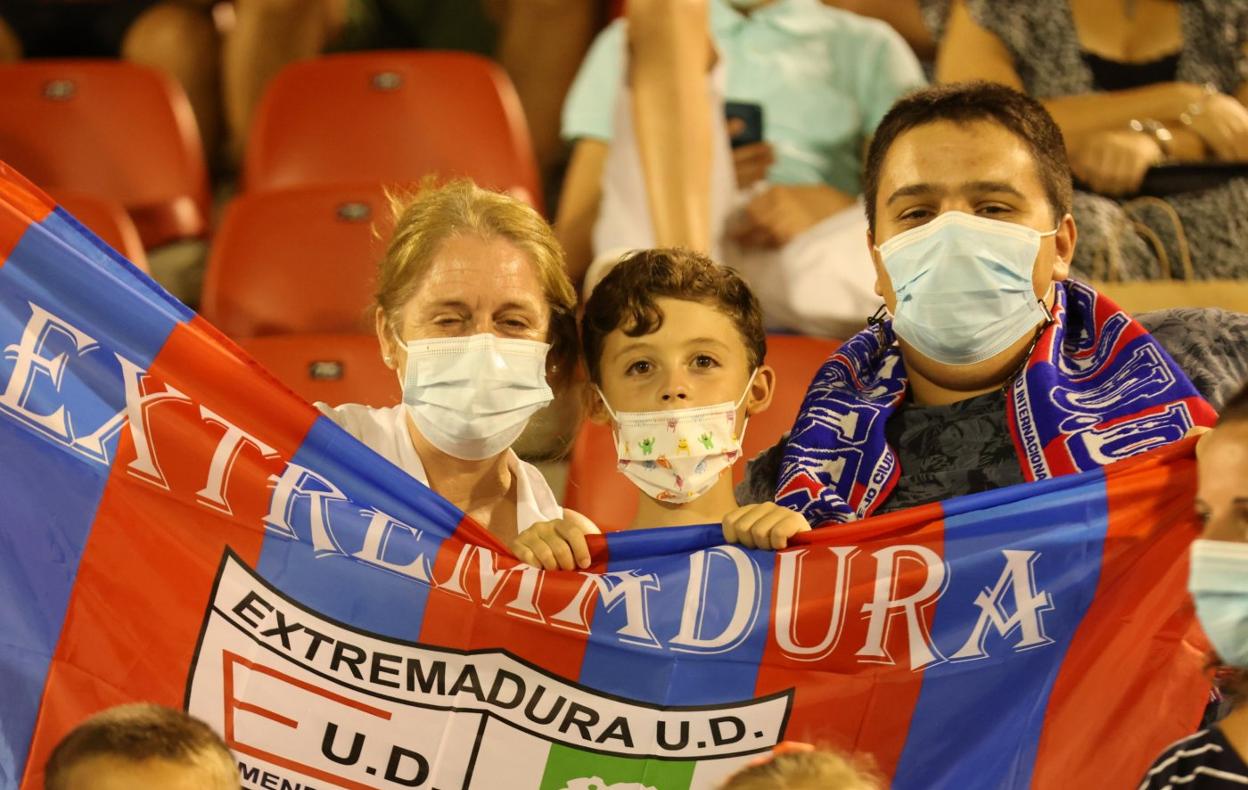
column 50, row 502
column 996, row 739
column 665, row 672
column 345, row 473
column 95, row 308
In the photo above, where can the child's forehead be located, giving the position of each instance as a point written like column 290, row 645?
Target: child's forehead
column 685, row 315
column 680, row 322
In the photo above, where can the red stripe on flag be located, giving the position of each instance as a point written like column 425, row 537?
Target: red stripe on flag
column 483, row 600
column 1145, row 668
column 867, row 708
column 22, row 204
column 155, row 546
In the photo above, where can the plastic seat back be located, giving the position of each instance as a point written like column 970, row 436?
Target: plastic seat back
column 391, row 117
column 109, row 128
column 297, row 260
column 607, row 497
column 334, row 368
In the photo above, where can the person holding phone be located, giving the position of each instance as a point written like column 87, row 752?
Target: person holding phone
column 653, row 114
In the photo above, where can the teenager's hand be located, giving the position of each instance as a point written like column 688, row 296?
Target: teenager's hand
column 1114, row 162
column 775, row 217
column 556, row 545
column 751, row 163
column 763, row 526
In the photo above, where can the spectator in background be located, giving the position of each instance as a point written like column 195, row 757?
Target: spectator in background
column 177, row 36
column 1132, row 84
column 652, row 164
column 1218, row 757
column 995, row 369
column 538, row 42
column 918, row 21
column 141, row 747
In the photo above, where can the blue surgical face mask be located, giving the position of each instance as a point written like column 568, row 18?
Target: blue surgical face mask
column 1218, row 582
column 963, row 286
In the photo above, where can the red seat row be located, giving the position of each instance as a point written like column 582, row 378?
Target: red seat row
column 290, row 274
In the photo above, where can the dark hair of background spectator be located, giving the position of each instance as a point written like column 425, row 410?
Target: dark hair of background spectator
column 968, row 102
column 625, row 300
column 139, row 732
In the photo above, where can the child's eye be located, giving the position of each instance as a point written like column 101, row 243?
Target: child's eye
column 705, row 361
column 638, row 368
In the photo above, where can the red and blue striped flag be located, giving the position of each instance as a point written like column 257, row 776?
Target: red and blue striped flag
column 175, row 526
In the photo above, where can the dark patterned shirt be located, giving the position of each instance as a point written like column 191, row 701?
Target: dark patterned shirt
column 965, row 447
column 1204, row 761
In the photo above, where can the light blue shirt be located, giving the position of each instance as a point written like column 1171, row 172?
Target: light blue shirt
column 824, row 77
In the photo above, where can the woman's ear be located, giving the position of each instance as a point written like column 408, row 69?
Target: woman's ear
column 386, row 340
column 762, row 389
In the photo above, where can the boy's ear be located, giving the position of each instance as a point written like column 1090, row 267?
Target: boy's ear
column 762, row 388
column 595, row 409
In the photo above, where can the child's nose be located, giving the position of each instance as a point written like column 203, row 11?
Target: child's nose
column 675, row 389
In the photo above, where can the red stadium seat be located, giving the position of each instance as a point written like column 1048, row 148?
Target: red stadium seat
column 106, row 219
column 297, row 260
column 391, row 117
column 328, row 367
column 596, row 489
column 109, row 128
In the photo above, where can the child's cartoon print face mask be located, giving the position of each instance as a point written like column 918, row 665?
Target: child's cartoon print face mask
column 677, row 455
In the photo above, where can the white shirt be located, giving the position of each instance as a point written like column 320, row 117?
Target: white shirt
column 385, row 432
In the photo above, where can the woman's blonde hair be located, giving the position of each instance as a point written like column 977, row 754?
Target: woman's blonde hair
column 809, row 770
column 426, row 219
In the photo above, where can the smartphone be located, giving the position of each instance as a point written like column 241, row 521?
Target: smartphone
column 749, row 126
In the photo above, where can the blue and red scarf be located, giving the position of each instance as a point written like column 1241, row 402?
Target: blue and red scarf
column 1096, row 388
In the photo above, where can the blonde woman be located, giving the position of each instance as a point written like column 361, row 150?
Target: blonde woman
column 476, row 316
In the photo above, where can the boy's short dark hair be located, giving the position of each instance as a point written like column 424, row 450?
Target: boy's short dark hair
column 625, row 300
column 138, row 732
column 967, row 102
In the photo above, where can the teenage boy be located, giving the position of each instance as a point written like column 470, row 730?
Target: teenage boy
column 993, row 368
column 674, row 346
column 141, row 747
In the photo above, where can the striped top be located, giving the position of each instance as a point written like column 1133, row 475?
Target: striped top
column 1204, row 761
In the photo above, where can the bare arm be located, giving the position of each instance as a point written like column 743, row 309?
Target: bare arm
column 969, row 52
column 578, row 205
column 670, row 52
column 1082, row 115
